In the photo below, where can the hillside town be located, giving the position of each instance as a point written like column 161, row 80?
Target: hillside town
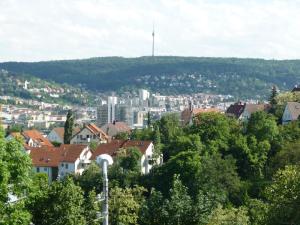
column 97, row 129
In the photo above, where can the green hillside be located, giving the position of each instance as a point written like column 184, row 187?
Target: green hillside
column 13, row 85
column 242, row 78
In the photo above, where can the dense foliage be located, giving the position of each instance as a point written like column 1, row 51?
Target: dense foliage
column 238, row 77
column 216, row 171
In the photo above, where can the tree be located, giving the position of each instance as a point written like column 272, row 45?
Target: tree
column 186, row 164
column 284, row 196
column 219, row 174
column 93, row 145
column 274, row 93
column 157, row 142
column 15, row 169
column 91, row 209
column 69, row 127
column 170, row 128
column 179, row 205
column 229, row 216
column 130, row 159
column 125, row 205
column 215, row 130
column 91, row 179
column 257, row 211
column 263, row 126
column 288, row 155
column 61, row 204
column 152, row 211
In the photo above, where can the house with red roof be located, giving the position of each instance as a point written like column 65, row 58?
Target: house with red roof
column 57, row 162
column 32, row 138
column 145, row 147
column 90, row 133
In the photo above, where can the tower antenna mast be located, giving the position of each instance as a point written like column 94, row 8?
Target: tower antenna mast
column 153, row 35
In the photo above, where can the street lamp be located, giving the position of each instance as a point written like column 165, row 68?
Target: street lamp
column 104, row 161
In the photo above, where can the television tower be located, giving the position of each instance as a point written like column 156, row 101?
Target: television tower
column 153, row 35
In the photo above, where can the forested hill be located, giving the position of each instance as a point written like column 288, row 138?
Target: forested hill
column 169, row 75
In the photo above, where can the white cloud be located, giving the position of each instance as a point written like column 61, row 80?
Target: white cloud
column 34, row 30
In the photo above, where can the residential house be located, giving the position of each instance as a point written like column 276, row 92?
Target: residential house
column 252, row 108
column 32, row 138
column 188, row 114
column 57, row 162
column 90, row 133
column 145, row 147
column 243, row 111
column 112, row 129
column 291, row 112
column 236, row 110
column 57, row 134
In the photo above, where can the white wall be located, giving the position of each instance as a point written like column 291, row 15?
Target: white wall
column 286, row 117
column 54, row 137
column 46, row 170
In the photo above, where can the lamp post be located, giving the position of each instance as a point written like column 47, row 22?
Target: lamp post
column 104, row 161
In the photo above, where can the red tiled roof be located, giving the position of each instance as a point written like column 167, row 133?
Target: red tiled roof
column 71, row 152
column 37, row 137
column 51, row 156
column 112, row 147
column 45, row 156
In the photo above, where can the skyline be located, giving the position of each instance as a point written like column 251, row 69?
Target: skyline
column 42, row 30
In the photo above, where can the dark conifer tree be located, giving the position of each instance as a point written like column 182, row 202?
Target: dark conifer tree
column 69, row 127
column 274, row 93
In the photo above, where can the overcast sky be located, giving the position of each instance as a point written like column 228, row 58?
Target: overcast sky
column 34, row 30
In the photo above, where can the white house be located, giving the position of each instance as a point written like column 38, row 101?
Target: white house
column 252, row 108
column 90, row 133
column 74, row 159
column 145, row 147
column 57, row 134
column 57, row 162
column 291, row 112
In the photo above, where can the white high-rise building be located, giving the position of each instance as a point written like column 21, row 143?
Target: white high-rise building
column 111, row 105
column 106, row 112
column 144, row 94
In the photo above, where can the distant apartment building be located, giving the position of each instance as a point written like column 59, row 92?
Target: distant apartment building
column 106, row 113
column 124, row 113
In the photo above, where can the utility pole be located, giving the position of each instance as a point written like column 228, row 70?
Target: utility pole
column 105, row 160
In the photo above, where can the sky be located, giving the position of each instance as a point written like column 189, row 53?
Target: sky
column 38, row 30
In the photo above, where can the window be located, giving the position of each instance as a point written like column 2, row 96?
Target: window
column 87, row 136
column 45, row 169
column 62, row 165
column 67, row 165
column 38, row 169
column 94, row 136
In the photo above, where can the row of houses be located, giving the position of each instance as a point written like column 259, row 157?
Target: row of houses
column 57, row 162
column 243, row 111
